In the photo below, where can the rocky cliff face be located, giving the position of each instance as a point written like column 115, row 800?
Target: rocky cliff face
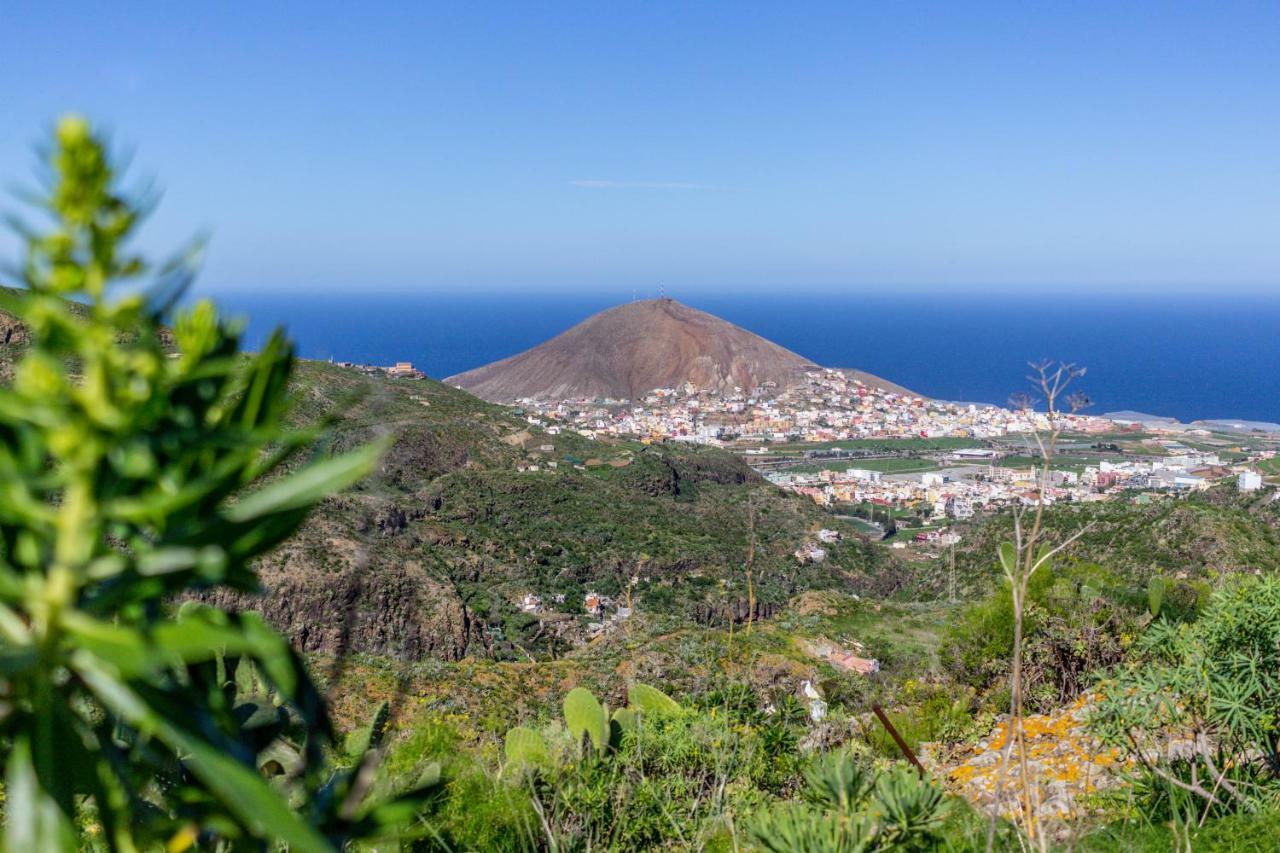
column 627, row 351
column 397, row 610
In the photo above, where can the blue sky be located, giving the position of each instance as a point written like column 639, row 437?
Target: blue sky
column 712, row 147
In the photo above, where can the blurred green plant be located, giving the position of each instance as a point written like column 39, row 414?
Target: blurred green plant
column 136, row 468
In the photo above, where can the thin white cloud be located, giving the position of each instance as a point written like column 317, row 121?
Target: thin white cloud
column 637, row 185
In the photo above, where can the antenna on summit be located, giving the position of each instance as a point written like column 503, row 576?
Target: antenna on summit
column 662, row 291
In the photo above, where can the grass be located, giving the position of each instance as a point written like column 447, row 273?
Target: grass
column 1061, row 463
column 866, row 526
column 881, row 512
column 1109, row 437
column 1232, row 834
column 921, row 444
column 905, row 533
column 887, row 466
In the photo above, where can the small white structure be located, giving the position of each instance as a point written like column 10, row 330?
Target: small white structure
column 1249, row 481
column 810, row 554
column 817, row 706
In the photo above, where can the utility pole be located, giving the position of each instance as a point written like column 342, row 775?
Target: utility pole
column 952, row 580
column 751, row 559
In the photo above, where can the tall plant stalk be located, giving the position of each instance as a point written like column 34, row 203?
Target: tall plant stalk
column 1020, row 561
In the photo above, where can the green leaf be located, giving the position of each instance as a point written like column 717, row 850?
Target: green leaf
column 627, row 719
column 1009, row 558
column 1157, row 587
column 278, row 660
column 196, row 637
column 165, row 561
column 12, row 628
column 370, row 737
column 309, row 485
column 280, row 758
column 33, row 819
column 357, row 744
column 652, row 701
column 1043, row 560
column 378, row 728
column 123, row 648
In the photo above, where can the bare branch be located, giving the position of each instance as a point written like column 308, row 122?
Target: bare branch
column 1066, row 543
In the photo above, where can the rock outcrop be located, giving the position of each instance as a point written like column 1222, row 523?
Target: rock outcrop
column 1064, row 762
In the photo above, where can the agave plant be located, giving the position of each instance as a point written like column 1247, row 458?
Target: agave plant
column 801, row 829
column 848, row 808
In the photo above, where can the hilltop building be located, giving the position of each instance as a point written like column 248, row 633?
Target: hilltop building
column 405, row 370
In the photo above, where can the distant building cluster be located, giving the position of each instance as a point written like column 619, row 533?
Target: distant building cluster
column 399, row 370
column 959, row 491
column 829, row 406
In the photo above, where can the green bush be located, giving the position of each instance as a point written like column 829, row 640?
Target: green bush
column 1080, row 619
column 1214, row 684
column 926, row 713
column 136, row 469
column 668, row 775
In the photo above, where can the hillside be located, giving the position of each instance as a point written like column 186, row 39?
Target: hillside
column 434, row 555
column 1200, row 537
column 629, row 350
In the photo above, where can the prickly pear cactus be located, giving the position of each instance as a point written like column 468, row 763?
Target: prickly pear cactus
column 525, row 748
column 584, row 714
column 652, row 702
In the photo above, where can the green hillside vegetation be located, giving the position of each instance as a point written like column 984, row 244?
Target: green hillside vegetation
column 1201, row 536
column 448, row 536
column 1093, row 604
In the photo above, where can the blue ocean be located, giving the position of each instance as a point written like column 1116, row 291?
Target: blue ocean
column 1182, row 356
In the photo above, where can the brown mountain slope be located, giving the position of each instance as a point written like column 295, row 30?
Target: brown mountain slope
column 627, row 351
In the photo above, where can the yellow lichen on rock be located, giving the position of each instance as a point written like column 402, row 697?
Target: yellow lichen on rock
column 1063, row 762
